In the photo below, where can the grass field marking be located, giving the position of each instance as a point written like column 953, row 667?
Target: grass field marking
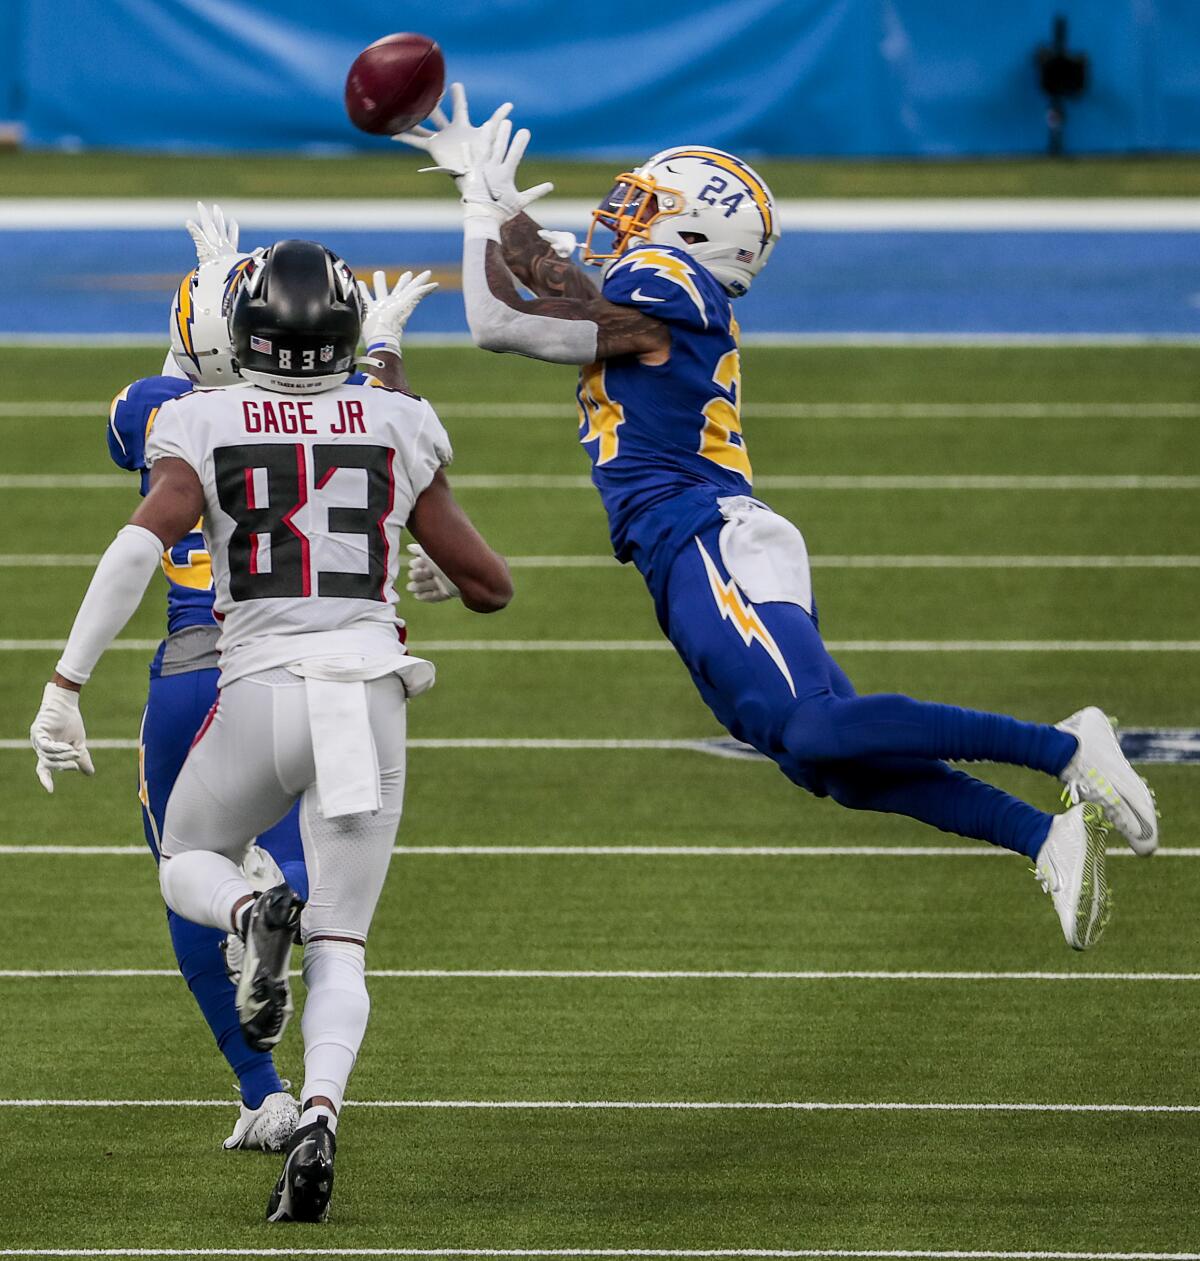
column 836, row 214
column 825, row 214
column 69, row 408
column 901, row 1254
column 712, row 746
column 661, row 645
column 816, row 481
column 68, row 560
column 628, row 851
column 570, row 974
column 643, row 1105
column 860, row 339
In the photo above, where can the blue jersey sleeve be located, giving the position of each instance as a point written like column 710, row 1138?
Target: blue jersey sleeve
column 133, row 412
column 660, row 281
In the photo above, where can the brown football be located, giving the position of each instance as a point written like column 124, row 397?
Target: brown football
column 394, row 83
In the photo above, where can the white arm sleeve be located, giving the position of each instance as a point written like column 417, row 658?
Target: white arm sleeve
column 116, row 589
column 496, row 326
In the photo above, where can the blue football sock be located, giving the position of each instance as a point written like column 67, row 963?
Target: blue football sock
column 296, row 874
column 937, row 794
column 198, row 950
column 828, row 729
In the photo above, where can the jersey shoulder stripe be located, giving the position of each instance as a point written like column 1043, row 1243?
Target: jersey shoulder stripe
column 664, row 282
column 132, row 414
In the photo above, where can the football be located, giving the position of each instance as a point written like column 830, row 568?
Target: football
column 394, row 83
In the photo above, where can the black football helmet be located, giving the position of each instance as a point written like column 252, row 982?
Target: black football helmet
column 295, row 319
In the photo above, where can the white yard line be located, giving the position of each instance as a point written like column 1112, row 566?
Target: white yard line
column 865, row 338
column 549, row 974
column 661, row 645
column 966, row 850
column 815, row 482
column 833, row 214
column 635, row 1105
column 68, row 560
column 67, row 408
column 784, row 1254
column 716, row 1254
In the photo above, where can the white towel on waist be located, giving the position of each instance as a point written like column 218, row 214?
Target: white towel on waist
column 344, row 754
column 765, row 553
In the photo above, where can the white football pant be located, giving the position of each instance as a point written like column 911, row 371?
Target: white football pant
column 250, row 763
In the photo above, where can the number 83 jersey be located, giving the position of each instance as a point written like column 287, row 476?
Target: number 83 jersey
column 666, row 440
column 305, row 499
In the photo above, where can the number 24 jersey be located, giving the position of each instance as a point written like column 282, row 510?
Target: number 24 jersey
column 665, row 440
column 305, row 500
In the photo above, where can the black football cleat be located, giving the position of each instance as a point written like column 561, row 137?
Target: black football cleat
column 264, row 998
column 305, row 1186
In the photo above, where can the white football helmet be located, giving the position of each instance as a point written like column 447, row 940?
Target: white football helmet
column 199, row 321
column 698, row 199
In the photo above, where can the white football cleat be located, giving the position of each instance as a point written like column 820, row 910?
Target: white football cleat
column 1101, row 773
column 267, row 1128
column 262, row 872
column 1070, row 868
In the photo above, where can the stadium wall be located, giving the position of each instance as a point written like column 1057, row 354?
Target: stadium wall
column 815, row 77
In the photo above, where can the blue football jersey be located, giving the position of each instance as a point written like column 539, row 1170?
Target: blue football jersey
column 187, row 565
column 666, row 440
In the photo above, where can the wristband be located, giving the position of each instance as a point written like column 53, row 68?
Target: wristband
column 480, row 222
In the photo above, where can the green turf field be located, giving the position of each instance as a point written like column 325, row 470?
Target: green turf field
column 1092, row 1029
column 394, row 174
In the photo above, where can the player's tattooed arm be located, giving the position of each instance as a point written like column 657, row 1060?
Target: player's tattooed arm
column 537, row 266
column 614, row 330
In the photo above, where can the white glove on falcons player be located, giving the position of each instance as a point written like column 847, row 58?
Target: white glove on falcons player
column 453, row 136
column 489, row 186
column 387, row 310
column 214, row 237
column 58, row 737
column 425, row 580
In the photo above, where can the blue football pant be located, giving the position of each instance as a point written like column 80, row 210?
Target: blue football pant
column 176, row 708
column 765, row 673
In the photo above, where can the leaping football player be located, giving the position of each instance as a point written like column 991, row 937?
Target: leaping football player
column 305, row 483
column 659, row 403
column 183, row 674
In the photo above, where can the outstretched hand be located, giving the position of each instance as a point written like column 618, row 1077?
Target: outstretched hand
column 451, row 142
column 388, row 310
column 213, row 237
column 489, row 185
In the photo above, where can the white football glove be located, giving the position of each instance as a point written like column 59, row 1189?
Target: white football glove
column 425, row 580
column 387, row 310
column 451, row 137
column 58, row 737
column 564, row 244
column 214, row 237
column 489, row 186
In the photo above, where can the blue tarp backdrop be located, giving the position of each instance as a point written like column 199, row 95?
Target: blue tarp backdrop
column 846, row 77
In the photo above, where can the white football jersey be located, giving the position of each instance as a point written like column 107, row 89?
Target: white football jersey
column 305, row 499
